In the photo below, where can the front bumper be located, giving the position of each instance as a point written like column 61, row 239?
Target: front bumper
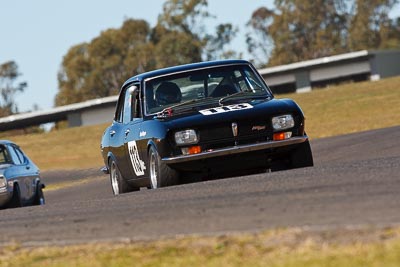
column 235, row 150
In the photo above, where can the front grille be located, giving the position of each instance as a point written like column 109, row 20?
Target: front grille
column 221, row 135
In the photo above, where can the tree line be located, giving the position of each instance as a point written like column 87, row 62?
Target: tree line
column 97, row 69
column 294, row 30
column 9, row 87
column 298, row 30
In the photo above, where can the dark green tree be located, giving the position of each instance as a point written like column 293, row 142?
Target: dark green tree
column 370, row 25
column 73, row 76
column 188, row 17
column 393, row 37
column 177, row 48
column 218, row 45
column 259, row 41
column 184, row 16
column 9, row 88
column 179, row 32
column 98, row 68
column 297, row 30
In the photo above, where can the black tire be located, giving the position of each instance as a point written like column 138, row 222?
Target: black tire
column 15, row 201
column 39, row 196
column 302, row 156
column 161, row 174
column 118, row 184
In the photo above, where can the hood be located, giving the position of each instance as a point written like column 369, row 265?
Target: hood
column 238, row 110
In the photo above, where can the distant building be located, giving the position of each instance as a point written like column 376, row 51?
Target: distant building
column 356, row 66
column 296, row 77
column 89, row 112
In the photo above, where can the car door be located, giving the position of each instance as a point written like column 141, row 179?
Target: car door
column 115, row 135
column 19, row 171
column 30, row 172
column 133, row 148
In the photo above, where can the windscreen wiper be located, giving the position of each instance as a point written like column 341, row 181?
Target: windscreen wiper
column 166, row 112
column 223, row 99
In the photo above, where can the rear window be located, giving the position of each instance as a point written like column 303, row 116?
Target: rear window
column 16, row 155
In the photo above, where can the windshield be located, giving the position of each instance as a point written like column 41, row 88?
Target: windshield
column 212, row 84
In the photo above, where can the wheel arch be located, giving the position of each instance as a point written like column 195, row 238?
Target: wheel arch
column 151, row 143
column 110, row 156
column 37, row 180
column 15, row 183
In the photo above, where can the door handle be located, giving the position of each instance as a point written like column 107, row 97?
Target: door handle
column 112, row 132
column 127, row 131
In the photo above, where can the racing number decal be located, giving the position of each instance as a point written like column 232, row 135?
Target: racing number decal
column 217, row 110
column 137, row 164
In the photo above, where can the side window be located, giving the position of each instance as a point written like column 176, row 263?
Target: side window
column 14, row 156
column 20, row 155
column 119, row 110
column 127, row 111
column 136, row 107
column 131, row 108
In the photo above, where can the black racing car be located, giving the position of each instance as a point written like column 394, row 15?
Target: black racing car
column 208, row 118
column 20, row 183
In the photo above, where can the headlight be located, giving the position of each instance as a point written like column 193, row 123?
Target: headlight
column 3, row 182
column 186, row 137
column 282, row 122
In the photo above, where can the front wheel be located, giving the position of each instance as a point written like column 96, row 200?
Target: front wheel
column 161, row 174
column 39, row 197
column 118, row 183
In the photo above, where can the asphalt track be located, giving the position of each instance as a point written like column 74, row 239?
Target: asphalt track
column 355, row 182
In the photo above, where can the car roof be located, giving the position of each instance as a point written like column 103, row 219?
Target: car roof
column 6, row 142
column 186, row 67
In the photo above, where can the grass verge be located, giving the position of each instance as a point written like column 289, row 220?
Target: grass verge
column 63, row 185
column 71, row 148
column 282, row 247
column 351, row 107
column 331, row 111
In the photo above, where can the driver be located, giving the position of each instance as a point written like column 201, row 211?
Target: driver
column 168, row 93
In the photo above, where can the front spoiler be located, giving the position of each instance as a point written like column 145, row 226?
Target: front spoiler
column 235, row 150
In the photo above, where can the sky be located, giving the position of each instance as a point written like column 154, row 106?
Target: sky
column 37, row 34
